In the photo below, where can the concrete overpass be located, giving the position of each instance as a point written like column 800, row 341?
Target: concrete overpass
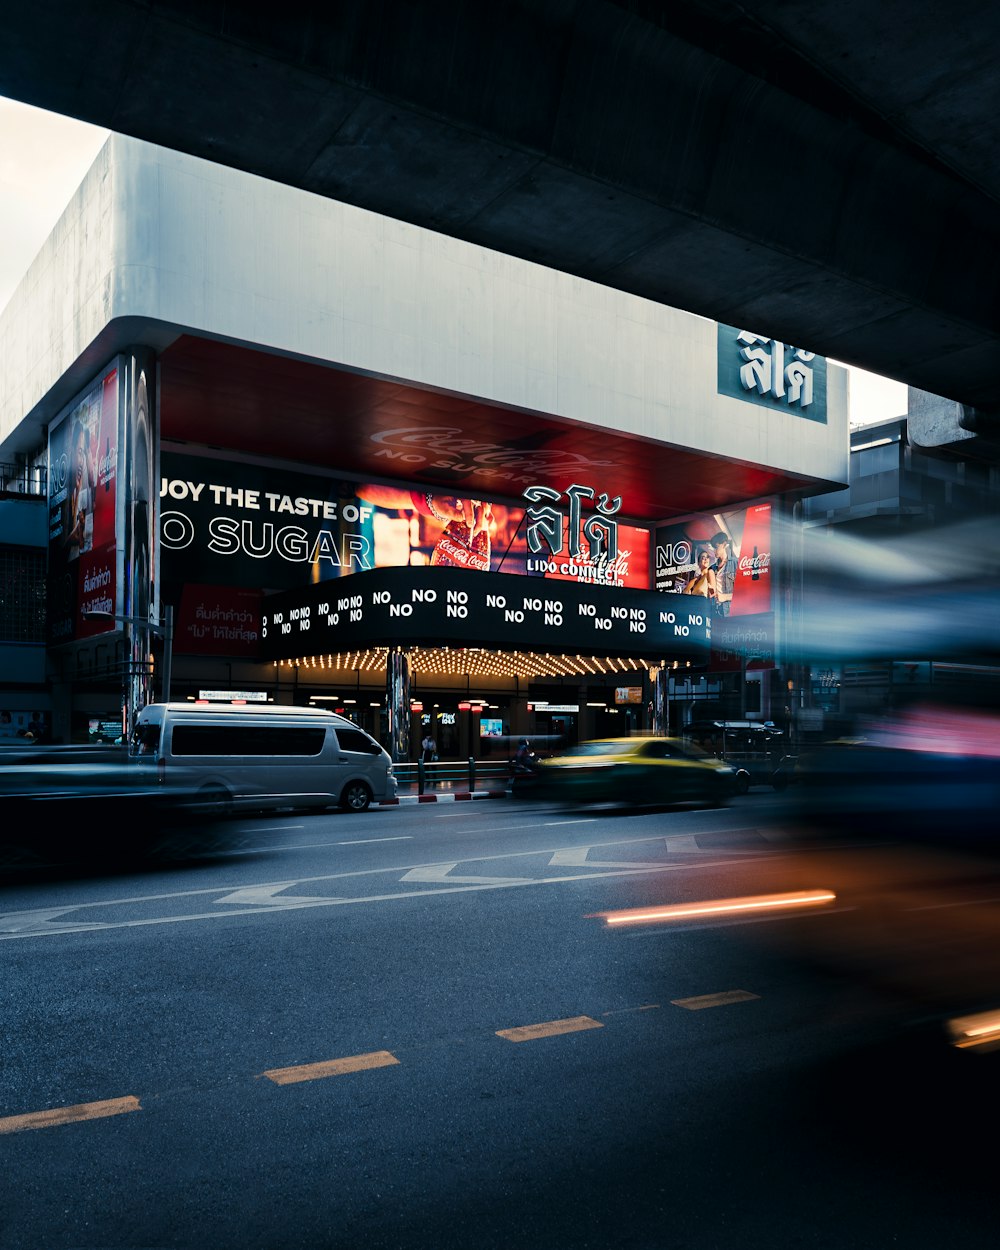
column 824, row 172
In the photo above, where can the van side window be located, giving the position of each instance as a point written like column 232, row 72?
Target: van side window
column 248, row 740
column 145, row 739
column 355, row 740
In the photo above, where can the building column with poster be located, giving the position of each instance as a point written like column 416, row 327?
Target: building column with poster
column 397, row 701
column 102, row 557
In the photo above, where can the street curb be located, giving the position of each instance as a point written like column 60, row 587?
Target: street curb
column 404, row 800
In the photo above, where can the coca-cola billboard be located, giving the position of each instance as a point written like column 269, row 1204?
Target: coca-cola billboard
column 737, row 576
column 84, row 506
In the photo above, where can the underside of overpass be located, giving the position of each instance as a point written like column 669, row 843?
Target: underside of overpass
column 823, row 173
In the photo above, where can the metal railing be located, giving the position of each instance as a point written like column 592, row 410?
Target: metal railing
column 22, row 479
column 452, row 775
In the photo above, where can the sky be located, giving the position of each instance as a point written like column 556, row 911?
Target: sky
column 43, row 158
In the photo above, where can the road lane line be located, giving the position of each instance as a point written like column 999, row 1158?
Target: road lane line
column 69, row 1115
column 303, row 902
column 437, row 873
column 331, row 1067
column 714, row 1000
column 272, row 849
column 552, row 1028
column 621, row 1011
column 402, row 837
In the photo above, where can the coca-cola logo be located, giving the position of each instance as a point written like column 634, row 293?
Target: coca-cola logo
column 759, row 563
column 452, row 448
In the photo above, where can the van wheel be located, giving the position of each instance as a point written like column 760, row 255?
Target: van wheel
column 215, row 801
column 356, row 796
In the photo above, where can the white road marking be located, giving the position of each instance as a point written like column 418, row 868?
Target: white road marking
column 271, row 849
column 681, row 843
column 17, row 922
column 577, row 857
column 260, row 896
column 403, row 837
column 435, row 873
column 570, row 857
column 47, row 930
column 45, row 922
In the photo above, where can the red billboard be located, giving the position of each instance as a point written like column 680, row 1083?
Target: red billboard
column 83, row 509
column 725, row 556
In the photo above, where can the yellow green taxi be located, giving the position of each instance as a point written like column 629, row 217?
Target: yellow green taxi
column 636, row 772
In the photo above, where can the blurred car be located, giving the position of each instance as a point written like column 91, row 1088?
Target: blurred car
column 92, row 804
column 899, row 821
column 758, row 751
column 635, row 772
column 925, row 773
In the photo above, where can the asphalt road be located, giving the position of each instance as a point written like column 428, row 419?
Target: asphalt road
column 416, row 1027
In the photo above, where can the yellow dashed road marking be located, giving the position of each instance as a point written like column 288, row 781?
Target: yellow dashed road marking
column 621, row 1011
column 714, row 1000
column 331, row 1067
column 528, row 1032
column 69, row 1115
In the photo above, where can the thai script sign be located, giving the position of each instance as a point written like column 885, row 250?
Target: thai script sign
column 772, row 373
column 553, row 528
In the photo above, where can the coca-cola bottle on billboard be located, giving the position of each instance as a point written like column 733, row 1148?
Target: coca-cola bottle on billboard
column 463, row 549
column 752, row 592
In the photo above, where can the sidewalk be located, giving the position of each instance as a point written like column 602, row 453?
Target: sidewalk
column 443, row 792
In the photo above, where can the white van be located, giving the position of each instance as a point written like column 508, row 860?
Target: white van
column 249, row 757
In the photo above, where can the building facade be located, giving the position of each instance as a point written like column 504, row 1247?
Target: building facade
column 480, row 485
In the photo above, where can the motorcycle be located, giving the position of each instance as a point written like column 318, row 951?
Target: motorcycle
column 522, row 771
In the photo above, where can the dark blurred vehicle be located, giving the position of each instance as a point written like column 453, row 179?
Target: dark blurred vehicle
column 523, row 769
column 900, row 821
column 91, row 804
column 758, row 751
column 926, row 773
column 635, row 772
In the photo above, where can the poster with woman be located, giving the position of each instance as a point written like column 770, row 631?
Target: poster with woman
column 739, row 546
column 83, row 500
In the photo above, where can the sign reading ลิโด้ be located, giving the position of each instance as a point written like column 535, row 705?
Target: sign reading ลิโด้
column 443, row 605
column 771, row 373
